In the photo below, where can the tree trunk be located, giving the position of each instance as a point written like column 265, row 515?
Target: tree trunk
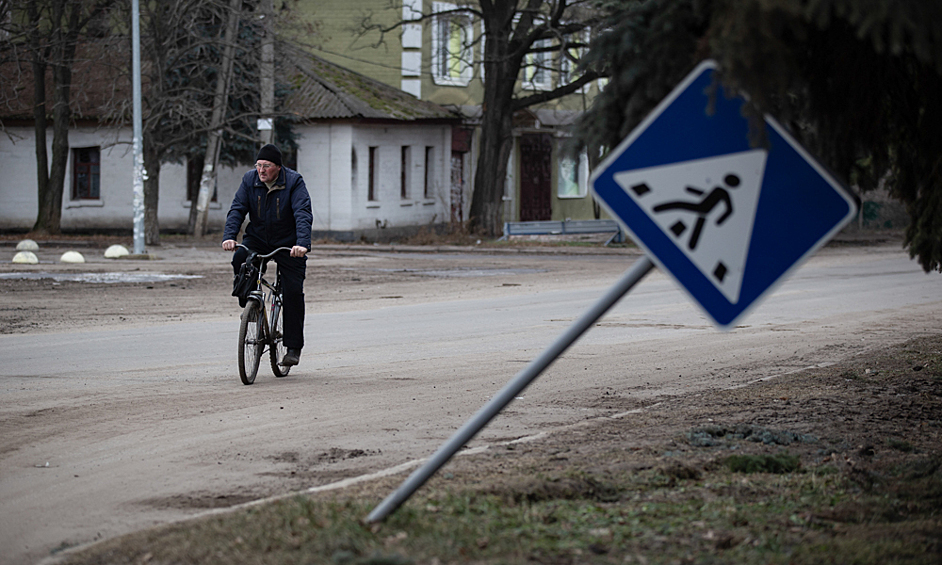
column 39, row 113
column 487, row 201
column 207, row 183
column 191, row 222
column 151, row 193
column 62, row 55
column 220, row 101
column 501, row 70
column 50, row 214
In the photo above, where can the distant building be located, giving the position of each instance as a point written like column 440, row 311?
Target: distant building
column 439, row 59
column 376, row 161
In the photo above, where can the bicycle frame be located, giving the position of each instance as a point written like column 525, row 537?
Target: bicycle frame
column 266, row 335
column 266, row 293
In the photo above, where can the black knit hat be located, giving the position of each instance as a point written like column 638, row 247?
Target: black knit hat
column 269, row 153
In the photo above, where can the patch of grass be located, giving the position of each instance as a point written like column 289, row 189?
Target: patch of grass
column 779, row 463
column 671, row 501
column 900, row 445
column 710, row 517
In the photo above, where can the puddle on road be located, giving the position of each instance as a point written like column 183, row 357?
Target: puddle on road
column 461, row 273
column 106, row 278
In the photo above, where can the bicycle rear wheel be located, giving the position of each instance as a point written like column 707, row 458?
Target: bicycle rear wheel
column 250, row 342
column 277, row 348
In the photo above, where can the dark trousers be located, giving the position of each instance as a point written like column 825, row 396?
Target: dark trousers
column 291, row 272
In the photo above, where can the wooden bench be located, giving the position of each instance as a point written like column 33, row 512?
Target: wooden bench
column 565, row 227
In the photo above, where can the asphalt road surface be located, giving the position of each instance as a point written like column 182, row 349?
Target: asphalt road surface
column 111, row 425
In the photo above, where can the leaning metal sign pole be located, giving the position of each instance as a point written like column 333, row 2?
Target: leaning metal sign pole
column 511, row 390
column 727, row 220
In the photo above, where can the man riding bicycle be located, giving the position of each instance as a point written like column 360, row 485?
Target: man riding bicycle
column 279, row 208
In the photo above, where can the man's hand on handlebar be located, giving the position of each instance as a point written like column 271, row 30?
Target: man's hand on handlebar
column 296, row 251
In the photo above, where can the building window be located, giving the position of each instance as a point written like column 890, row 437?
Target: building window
column 536, row 73
column 289, row 156
column 353, row 167
column 404, row 172
column 452, row 39
column 194, row 176
column 429, row 172
column 483, row 46
column 573, row 177
column 569, row 60
column 373, row 174
column 86, row 173
column 411, row 10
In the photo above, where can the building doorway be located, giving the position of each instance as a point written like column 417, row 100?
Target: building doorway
column 457, row 187
column 536, row 154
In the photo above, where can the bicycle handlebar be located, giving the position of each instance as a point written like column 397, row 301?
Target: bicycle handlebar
column 288, row 249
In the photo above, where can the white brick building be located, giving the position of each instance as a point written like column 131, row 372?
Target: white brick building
column 374, row 160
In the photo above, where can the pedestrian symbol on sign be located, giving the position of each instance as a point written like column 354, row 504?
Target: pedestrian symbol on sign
column 707, row 206
column 717, row 196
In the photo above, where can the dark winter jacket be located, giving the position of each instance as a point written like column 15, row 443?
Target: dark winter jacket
column 280, row 218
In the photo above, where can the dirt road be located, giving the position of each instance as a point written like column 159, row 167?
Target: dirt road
column 410, row 345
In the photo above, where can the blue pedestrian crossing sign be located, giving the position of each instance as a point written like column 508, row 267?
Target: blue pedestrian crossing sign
column 727, row 220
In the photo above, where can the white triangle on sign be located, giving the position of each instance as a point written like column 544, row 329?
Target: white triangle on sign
column 707, row 207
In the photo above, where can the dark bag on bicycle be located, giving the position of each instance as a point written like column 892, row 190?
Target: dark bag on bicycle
column 246, row 281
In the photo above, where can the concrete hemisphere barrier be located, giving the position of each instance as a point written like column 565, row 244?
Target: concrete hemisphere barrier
column 25, row 258
column 116, row 251
column 27, row 245
column 72, row 257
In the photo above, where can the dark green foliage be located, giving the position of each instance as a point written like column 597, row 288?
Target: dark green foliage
column 650, row 47
column 857, row 81
column 780, row 464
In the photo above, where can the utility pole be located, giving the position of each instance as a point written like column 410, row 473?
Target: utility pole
column 138, row 175
column 266, row 122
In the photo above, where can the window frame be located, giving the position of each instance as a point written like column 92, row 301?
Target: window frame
column 405, row 172
column 193, row 180
column 441, row 56
column 429, row 171
column 580, row 165
column 88, row 167
column 539, row 62
column 372, row 188
column 567, row 67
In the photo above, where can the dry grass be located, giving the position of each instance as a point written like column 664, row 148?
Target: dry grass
column 835, row 465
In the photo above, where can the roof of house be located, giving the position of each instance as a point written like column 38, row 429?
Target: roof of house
column 323, row 90
column 320, row 90
column 98, row 87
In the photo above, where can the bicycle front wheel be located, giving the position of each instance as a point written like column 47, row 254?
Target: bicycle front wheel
column 277, row 347
column 250, row 342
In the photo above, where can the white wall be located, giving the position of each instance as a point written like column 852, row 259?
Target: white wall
column 389, row 209
column 324, row 162
column 18, row 187
column 18, row 192
column 338, row 190
column 339, row 187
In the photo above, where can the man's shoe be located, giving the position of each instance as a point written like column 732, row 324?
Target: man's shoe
column 291, row 358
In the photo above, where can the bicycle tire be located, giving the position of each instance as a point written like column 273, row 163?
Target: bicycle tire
column 277, row 347
column 250, row 342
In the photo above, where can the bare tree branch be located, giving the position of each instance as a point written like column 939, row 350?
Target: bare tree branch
column 558, row 92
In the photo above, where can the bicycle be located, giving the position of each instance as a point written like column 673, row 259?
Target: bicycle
column 259, row 329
